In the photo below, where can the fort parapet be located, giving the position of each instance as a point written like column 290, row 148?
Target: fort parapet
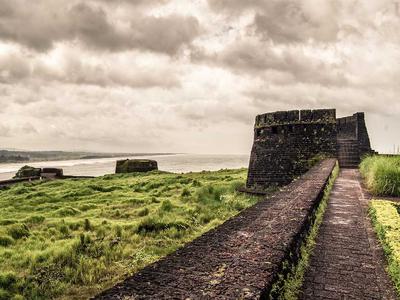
column 286, row 141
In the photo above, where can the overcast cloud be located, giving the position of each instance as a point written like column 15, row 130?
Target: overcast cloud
column 190, row 76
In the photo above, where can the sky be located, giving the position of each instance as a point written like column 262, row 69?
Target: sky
column 190, row 76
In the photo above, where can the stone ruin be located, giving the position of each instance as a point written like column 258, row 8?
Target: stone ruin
column 286, row 141
column 32, row 172
column 135, row 165
column 52, row 173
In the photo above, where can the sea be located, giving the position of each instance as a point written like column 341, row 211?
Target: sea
column 176, row 163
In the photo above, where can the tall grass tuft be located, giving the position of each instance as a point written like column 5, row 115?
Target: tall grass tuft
column 382, row 174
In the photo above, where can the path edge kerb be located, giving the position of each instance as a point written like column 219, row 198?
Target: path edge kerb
column 293, row 252
column 293, row 207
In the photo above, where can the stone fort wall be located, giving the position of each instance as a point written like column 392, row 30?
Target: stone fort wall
column 285, row 141
column 354, row 127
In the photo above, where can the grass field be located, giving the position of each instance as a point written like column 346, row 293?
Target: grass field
column 386, row 219
column 382, row 175
column 70, row 239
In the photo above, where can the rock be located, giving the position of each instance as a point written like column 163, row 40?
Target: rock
column 135, row 165
column 27, row 171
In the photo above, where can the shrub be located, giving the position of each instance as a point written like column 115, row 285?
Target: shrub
column 4, row 295
column 67, row 211
column 104, row 189
column 236, row 185
column 35, row 220
column 196, row 183
column 8, row 222
column 185, row 193
column 143, row 212
column 209, row 193
column 382, row 175
column 118, row 231
column 18, row 231
column 87, row 226
column 5, row 241
column 8, row 281
column 166, row 206
column 64, row 230
column 86, row 207
column 152, row 225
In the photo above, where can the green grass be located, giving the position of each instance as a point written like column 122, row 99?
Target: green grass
column 382, row 174
column 288, row 287
column 71, row 239
column 386, row 220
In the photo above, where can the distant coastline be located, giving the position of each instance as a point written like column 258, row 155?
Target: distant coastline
column 20, row 156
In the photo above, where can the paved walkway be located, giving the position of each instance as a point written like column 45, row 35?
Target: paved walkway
column 347, row 262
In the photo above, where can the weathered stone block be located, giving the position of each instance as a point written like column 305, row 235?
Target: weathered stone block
column 293, row 116
column 52, row 173
column 306, row 115
column 135, row 165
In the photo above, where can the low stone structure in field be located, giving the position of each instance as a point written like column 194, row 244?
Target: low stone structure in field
column 46, row 173
column 52, row 173
column 286, row 141
column 135, row 165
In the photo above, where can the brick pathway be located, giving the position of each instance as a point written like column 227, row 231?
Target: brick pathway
column 347, row 262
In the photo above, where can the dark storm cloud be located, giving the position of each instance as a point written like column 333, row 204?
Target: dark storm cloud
column 40, row 25
column 256, row 58
column 135, row 2
column 16, row 69
column 13, row 69
column 287, row 21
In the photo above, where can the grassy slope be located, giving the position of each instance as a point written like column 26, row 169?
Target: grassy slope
column 72, row 238
column 386, row 219
column 382, row 175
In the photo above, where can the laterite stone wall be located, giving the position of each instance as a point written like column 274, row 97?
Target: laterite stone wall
column 285, row 141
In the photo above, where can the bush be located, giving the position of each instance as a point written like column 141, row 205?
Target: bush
column 5, row 241
column 35, row 220
column 4, row 295
column 8, row 281
column 87, row 226
column 382, row 175
column 196, row 183
column 67, row 211
column 166, row 206
column 143, row 212
column 185, row 193
column 18, row 231
column 209, row 193
column 152, row 225
column 118, row 231
column 8, row 222
column 236, row 185
column 64, row 230
column 104, row 189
